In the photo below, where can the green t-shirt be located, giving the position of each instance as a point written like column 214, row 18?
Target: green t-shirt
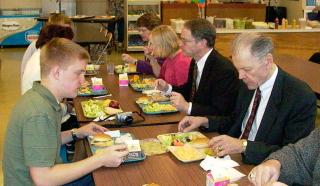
column 33, row 136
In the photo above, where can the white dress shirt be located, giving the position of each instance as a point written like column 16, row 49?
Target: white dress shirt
column 27, row 55
column 266, row 89
column 200, row 64
column 31, row 72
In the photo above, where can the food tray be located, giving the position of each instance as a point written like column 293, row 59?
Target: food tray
column 144, row 108
column 142, row 84
column 120, row 69
column 91, row 92
column 130, row 158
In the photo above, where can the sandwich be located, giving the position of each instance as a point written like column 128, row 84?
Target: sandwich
column 102, row 140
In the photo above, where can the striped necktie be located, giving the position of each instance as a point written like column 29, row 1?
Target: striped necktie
column 252, row 116
column 194, row 82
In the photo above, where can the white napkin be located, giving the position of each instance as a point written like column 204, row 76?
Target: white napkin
column 96, row 81
column 221, row 167
column 230, row 173
column 211, row 162
column 113, row 133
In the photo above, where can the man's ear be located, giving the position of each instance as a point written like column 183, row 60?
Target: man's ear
column 269, row 59
column 203, row 43
column 56, row 72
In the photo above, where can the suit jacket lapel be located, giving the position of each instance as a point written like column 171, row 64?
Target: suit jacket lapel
column 271, row 112
column 243, row 100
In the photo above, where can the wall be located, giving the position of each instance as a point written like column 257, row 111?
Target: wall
column 8, row 4
column 91, row 7
column 294, row 9
column 89, row 31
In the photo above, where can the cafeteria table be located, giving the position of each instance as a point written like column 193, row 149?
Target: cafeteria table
column 162, row 169
column 126, row 97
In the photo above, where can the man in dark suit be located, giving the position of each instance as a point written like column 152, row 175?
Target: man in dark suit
column 212, row 84
column 273, row 108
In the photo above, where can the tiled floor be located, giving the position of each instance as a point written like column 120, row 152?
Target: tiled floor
column 10, row 87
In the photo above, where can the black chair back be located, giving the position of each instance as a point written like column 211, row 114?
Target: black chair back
column 315, row 58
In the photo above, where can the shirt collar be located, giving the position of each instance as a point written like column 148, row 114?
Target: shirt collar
column 45, row 93
column 203, row 60
column 270, row 82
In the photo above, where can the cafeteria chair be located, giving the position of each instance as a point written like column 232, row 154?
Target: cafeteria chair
column 106, row 47
column 315, row 58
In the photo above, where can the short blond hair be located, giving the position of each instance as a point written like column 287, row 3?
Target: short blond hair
column 164, row 40
column 62, row 52
column 58, row 19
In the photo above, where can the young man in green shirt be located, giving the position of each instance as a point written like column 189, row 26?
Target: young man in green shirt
column 33, row 139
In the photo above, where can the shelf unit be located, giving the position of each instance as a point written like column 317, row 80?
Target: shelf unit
column 308, row 6
column 133, row 10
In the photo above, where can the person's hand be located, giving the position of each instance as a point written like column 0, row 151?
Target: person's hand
column 161, row 85
column 147, row 50
column 179, row 102
column 152, row 59
column 313, row 24
column 90, row 129
column 188, row 123
column 112, row 156
column 267, row 173
column 128, row 59
column 224, row 145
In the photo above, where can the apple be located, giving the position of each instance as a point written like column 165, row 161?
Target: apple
column 114, row 104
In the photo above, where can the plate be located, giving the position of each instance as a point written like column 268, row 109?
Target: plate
column 194, row 139
column 157, row 108
column 96, row 108
column 152, row 146
column 90, row 73
column 130, row 158
column 187, row 154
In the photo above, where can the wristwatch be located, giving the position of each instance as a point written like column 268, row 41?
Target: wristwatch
column 244, row 145
column 74, row 134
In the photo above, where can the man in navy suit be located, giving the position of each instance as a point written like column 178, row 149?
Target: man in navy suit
column 273, row 108
column 213, row 83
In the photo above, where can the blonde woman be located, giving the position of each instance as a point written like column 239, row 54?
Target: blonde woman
column 164, row 43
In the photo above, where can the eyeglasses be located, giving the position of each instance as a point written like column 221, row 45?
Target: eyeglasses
column 142, row 30
column 184, row 41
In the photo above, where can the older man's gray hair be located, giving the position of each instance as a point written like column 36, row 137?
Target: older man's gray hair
column 258, row 45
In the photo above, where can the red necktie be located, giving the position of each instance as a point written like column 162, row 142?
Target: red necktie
column 252, row 116
column 194, row 82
